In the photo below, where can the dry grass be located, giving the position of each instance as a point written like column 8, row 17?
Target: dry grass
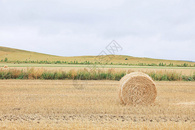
column 87, row 74
column 158, row 70
column 37, row 104
column 21, row 55
column 49, row 125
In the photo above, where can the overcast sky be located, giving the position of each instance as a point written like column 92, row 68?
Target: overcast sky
column 162, row 29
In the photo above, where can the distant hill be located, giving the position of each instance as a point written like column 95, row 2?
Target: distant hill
column 22, row 55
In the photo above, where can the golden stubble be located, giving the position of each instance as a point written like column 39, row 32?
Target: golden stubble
column 42, row 104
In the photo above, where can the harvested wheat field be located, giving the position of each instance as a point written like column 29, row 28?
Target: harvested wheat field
column 46, row 104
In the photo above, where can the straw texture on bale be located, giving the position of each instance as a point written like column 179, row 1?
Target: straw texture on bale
column 137, row 88
column 5, row 66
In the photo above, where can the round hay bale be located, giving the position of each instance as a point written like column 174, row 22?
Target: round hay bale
column 137, row 88
column 120, row 84
column 5, row 66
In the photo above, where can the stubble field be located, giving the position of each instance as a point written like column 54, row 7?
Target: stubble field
column 61, row 104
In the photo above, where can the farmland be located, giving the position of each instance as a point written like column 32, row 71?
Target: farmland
column 56, row 67
column 97, row 65
column 30, row 104
column 91, row 73
column 12, row 55
column 33, row 97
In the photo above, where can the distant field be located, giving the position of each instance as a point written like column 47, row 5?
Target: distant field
column 61, row 67
column 15, row 55
column 42, row 104
column 84, row 66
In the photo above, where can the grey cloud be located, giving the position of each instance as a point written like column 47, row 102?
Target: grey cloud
column 159, row 29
